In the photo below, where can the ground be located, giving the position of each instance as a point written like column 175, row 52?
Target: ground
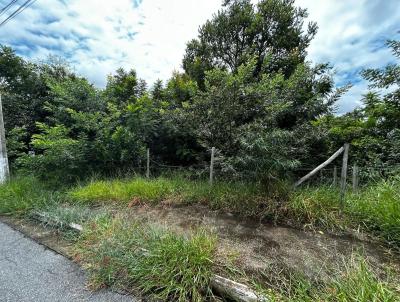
column 259, row 246
column 31, row 272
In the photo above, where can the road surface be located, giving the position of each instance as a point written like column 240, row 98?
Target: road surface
column 29, row 272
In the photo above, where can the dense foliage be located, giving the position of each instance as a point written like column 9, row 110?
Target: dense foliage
column 373, row 129
column 246, row 89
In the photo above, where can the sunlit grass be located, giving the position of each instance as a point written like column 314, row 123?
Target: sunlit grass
column 354, row 279
column 22, row 194
column 242, row 198
column 157, row 262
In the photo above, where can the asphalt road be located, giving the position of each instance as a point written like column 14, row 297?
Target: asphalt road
column 30, row 272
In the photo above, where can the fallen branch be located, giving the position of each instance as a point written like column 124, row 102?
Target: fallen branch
column 234, row 290
column 226, row 288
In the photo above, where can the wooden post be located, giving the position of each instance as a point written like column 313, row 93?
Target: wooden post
column 343, row 177
column 4, row 168
column 148, row 164
column 321, row 166
column 355, row 178
column 212, row 165
column 334, row 176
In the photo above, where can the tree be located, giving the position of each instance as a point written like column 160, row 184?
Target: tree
column 270, row 32
column 374, row 129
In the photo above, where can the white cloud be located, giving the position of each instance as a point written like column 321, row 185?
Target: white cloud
column 351, row 36
column 97, row 37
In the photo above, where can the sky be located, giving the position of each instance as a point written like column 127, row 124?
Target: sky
column 97, row 36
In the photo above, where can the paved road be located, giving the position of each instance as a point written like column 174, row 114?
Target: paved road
column 30, row 272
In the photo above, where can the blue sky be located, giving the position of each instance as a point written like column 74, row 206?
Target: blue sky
column 98, row 36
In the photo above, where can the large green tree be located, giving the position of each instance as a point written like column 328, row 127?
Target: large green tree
column 271, row 32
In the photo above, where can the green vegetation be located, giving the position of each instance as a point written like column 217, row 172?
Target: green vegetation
column 242, row 198
column 375, row 209
column 248, row 90
column 356, row 280
column 23, row 194
column 159, row 263
column 170, row 266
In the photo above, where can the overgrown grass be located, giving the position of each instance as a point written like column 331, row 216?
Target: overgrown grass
column 60, row 215
column 356, row 280
column 375, row 209
column 157, row 262
column 242, row 198
column 22, row 194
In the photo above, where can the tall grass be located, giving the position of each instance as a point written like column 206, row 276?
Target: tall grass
column 355, row 281
column 375, row 208
column 242, row 198
column 22, row 194
column 157, row 262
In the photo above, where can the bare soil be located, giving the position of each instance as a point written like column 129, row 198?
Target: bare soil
column 258, row 246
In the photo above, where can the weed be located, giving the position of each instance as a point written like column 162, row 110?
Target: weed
column 241, row 198
column 355, row 280
column 22, row 194
column 159, row 263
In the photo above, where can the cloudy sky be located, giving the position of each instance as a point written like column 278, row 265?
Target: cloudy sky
column 98, row 36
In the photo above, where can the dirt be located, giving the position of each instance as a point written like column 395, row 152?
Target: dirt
column 252, row 245
column 259, row 246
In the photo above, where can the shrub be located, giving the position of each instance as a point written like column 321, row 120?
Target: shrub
column 58, row 159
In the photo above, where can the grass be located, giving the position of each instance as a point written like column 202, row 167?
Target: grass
column 241, row 198
column 157, row 262
column 23, row 194
column 356, row 280
column 61, row 215
column 174, row 267
column 375, row 209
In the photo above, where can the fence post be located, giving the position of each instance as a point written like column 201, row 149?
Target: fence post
column 355, row 178
column 344, row 174
column 148, row 164
column 334, row 176
column 4, row 168
column 212, row 165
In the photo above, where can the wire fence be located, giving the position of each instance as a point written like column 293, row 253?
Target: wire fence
column 329, row 175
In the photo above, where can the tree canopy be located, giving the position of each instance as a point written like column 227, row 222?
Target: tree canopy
column 246, row 89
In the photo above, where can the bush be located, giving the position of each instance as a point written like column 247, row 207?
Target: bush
column 58, row 159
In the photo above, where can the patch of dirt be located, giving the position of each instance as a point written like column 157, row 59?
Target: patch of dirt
column 259, row 246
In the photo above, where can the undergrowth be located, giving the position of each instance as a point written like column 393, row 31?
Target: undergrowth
column 245, row 199
column 375, row 209
column 20, row 195
column 355, row 280
column 159, row 263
